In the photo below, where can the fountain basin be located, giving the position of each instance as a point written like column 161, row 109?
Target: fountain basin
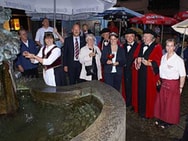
column 110, row 125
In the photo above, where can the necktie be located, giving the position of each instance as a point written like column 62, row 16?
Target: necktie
column 76, row 47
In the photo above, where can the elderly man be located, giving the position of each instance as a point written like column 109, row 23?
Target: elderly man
column 130, row 48
column 147, row 66
column 23, row 64
column 72, row 46
column 105, row 40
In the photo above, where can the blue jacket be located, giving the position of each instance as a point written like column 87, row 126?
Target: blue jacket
column 25, row 62
column 120, row 58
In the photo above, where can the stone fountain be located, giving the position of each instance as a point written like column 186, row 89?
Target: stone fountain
column 9, row 48
column 110, row 125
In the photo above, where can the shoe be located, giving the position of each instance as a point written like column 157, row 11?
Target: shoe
column 165, row 125
column 158, row 123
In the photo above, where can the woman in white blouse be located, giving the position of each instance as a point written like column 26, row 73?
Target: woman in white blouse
column 90, row 54
column 50, row 57
column 172, row 73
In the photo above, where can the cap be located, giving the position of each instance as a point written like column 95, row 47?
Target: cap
column 130, row 31
column 114, row 34
column 149, row 31
column 104, row 30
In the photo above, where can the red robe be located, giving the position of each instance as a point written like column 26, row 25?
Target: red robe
column 134, row 83
column 144, row 82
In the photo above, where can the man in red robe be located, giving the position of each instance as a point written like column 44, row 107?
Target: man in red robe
column 147, row 74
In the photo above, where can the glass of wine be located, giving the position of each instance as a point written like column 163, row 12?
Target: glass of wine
column 110, row 56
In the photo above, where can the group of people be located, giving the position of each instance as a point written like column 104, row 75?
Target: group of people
column 150, row 69
column 153, row 80
column 141, row 65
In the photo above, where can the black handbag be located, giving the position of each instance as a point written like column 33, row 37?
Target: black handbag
column 89, row 70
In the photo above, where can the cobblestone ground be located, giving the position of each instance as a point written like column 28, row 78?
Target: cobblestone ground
column 145, row 130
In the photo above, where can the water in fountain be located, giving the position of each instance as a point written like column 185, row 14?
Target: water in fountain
column 44, row 122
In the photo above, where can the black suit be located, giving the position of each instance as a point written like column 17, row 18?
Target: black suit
column 74, row 67
column 128, row 72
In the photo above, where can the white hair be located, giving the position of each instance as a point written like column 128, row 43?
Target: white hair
column 90, row 36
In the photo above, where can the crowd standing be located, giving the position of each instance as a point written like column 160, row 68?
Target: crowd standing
column 152, row 79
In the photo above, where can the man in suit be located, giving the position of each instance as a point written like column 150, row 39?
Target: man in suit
column 72, row 46
column 130, row 48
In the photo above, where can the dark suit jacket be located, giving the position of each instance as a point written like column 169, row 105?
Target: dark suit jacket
column 185, row 53
column 119, row 58
column 129, row 55
column 68, row 50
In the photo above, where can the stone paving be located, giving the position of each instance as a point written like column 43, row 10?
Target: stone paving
column 145, row 130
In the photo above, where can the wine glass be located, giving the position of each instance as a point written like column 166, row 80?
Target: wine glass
column 110, row 56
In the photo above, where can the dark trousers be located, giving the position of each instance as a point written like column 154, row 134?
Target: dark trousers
column 128, row 87
column 31, row 73
column 113, row 79
column 59, row 76
column 142, row 88
column 74, row 73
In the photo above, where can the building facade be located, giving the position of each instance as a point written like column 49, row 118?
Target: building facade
column 163, row 7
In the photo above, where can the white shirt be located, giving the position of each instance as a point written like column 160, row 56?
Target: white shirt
column 173, row 68
column 26, row 43
column 113, row 61
column 146, row 47
column 40, row 34
column 129, row 46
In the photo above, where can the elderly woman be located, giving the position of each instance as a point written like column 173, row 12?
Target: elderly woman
column 113, row 60
column 172, row 72
column 50, row 57
column 89, row 57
